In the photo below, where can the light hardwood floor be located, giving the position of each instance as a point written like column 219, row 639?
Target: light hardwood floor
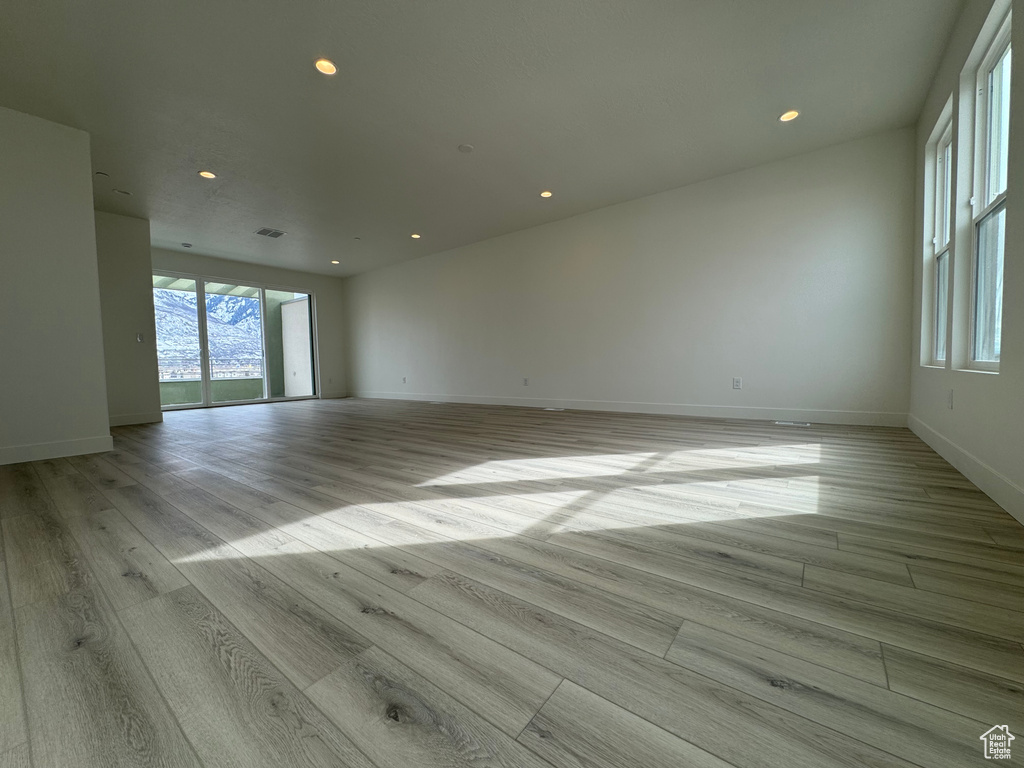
column 394, row 584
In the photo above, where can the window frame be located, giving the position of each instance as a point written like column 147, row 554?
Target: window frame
column 942, row 236
column 940, row 310
column 982, row 202
column 201, row 281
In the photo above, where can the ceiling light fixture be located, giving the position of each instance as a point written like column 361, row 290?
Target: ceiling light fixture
column 123, row 192
column 208, row 174
column 186, row 245
column 335, row 262
column 791, row 114
column 465, row 148
column 414, row 236
column 326, row 66
column 546, row 193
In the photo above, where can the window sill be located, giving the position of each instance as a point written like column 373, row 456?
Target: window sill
column 983, row 371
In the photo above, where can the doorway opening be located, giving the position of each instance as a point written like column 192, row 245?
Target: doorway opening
column 221, row 343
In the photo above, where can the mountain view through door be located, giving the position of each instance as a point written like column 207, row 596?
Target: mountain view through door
column 238, row 364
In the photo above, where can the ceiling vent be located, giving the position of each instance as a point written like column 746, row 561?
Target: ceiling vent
column 268, row 232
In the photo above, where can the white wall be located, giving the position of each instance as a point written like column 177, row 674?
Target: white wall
column 296, row 348
column 794, row 276
column 983, row 434
column 54, row 400
column 330, row 317
column 126, row 301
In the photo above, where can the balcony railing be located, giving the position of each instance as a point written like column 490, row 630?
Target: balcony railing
column 190, row 368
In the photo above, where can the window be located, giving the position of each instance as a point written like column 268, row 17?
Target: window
column 941, row 304
column 940, row 241
column 989, row 203
column 988, row 286
column 997, row 85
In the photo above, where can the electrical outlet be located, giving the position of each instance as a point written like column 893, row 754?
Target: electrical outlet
column 526, row 382
column 950, row 402
column 737, row 382
column 403, row 379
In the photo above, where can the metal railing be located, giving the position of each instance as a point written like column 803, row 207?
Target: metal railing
column 191, row 369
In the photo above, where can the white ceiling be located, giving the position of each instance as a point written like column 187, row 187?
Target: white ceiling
column 599, row 100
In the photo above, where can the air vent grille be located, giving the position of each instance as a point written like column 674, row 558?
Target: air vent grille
column 268, row 232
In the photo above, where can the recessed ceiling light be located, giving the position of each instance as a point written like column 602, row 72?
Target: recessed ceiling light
column 186, row 245
column 791, row 114
column 123, row 192
column 208, row 174
column 414, row 236
column 104, row 175
column 466, row 148
column 335, row 262
column 546, row 193
column 326, row 66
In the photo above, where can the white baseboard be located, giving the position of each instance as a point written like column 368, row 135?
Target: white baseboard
column 39, row 451
column 860, row 418
column 333, row 394
column 149, row 417
column 999, row 488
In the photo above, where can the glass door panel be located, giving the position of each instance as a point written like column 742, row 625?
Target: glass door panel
column 178, row 349
column 234, row 337
column 289, row 344
column 227, row 343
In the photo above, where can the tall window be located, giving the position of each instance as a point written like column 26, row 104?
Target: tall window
column 993, row 132
column 940, row 241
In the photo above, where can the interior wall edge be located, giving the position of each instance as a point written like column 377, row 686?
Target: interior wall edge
column 996, row 486
column 15, row 454
column 125, row 419
column 51, row 336
column 852, row 418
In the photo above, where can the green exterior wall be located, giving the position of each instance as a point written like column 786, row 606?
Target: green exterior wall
column 223, row 390
column 275, row 347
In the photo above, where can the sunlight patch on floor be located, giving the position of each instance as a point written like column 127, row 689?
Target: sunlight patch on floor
column 612, row 465
column 220, row 552
column 570, row 512
column 540, row 513
column 555, row 468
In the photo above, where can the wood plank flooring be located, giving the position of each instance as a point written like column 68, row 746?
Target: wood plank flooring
column 394, row 584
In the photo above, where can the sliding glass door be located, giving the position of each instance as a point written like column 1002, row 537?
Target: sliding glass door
column 234, row 342
column 220, row 342
column 180, row 358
